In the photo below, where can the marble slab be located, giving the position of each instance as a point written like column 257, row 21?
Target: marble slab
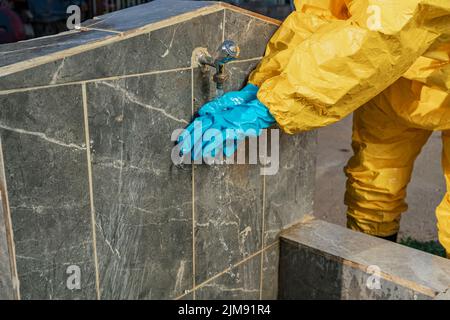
column 228, row 198
column 290, row 192
column 228, row 211
column 42, row 135
column 143, row 202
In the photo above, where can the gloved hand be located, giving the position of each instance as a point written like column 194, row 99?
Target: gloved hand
column 229, row 99
column 223, row 129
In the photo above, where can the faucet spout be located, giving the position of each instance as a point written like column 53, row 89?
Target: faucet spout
column 227, row 52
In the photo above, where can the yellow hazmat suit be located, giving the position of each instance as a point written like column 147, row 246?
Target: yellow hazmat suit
column 387, row 60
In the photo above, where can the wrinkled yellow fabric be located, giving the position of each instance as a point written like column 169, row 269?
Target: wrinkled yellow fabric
column 332, row 57
column 385, row 145
column 319, row 66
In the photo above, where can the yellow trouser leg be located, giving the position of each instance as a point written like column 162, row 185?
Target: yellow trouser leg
column 385, row 148
column 443, row 210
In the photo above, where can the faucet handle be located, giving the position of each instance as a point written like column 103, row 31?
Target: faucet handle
column 230, row 48
column 228, row 51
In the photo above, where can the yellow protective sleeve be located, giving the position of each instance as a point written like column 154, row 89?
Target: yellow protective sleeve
column 323, row 77
column 308, row 17
column 296, row 28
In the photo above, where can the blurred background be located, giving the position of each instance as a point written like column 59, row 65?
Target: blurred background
column 26, row 19
column 278, row 9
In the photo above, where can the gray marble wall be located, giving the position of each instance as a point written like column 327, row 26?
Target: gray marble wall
column 93, row 194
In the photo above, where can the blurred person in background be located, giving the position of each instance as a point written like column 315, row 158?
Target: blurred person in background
column 11, row 26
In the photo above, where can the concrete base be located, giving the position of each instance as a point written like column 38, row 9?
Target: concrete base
column 319, row 260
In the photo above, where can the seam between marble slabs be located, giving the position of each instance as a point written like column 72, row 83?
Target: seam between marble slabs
column 8, row 228
column 261, row 275
column 100, row 29
column 305, row 218
column 224, row 23
column 253, row 255
column 91, row 189
column 193, row 194
column 112, row 78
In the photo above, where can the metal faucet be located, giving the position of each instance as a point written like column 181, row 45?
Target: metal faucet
column 227, row 52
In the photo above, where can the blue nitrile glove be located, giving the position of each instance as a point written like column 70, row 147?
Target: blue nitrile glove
column 223, row 129
column 234, row 125
column 192, row 136
column 230, row 99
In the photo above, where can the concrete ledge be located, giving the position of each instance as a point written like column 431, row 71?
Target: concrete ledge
column 319, row 260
